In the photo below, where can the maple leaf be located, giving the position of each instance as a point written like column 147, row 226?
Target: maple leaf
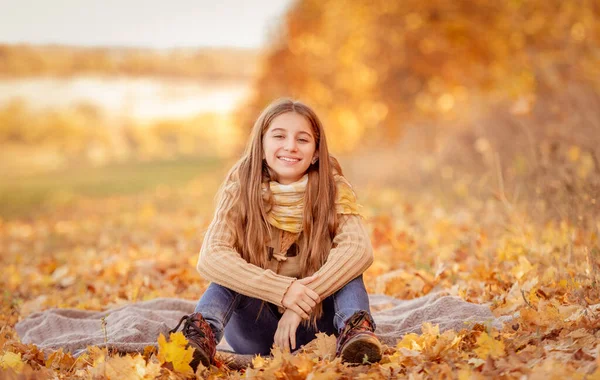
column 488, row 346
column 11, row 360
column 325, row 346
column 125, row 367
column 3, row 338
column 258, row 362
column 411, row 342
column 60, row 360
column 546, row 315
column 303, row 363
column 175, row 352
column 96, row 354
column 280, row 359
column 430, row 329
column 323, row 376
column 444, row 343
column 522, row 268
column 279, row 356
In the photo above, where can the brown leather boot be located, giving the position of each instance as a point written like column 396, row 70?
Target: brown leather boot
column 357, row 342
column 200, row 336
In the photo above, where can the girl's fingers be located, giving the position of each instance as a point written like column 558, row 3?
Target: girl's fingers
column 286, row 339
column 305, row 306
column 309, row 301
column 312, row 294
column 281, row 338
column 293, row 338
column 280, row 341
column 308, row 280
column 299, row 311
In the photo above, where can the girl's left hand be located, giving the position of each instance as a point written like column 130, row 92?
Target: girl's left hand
column 286, row 330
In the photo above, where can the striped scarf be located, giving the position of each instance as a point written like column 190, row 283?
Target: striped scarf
column 288, row 202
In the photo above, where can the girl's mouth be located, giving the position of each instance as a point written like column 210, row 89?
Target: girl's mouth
column 289, row 159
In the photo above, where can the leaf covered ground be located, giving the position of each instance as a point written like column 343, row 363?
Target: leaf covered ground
column 99, row 253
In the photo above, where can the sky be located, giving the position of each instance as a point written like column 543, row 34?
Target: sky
column 141, row 23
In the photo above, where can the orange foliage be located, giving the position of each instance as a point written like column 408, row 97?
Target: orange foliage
column 372, row 67
column 100, row 253
column 213, row 63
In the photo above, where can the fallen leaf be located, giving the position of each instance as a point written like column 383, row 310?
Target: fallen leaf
column 175, row 352
column 488, row 346
column 325, row 346
column 11, row 360
column 258, row 362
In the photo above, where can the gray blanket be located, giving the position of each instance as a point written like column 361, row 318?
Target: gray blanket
column 132, row 327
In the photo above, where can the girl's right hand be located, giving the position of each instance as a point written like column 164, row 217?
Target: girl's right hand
column 300, row 298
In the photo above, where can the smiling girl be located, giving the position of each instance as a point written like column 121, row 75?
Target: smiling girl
column 286, row 249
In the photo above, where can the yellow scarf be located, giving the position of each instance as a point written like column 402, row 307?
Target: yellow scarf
column 288, row 202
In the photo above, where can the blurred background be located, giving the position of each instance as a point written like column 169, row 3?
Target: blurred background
column 464, row 99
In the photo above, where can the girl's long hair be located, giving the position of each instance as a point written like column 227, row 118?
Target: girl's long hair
column 248, row 207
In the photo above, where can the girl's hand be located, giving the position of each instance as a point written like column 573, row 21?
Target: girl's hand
column 300, row 298
column 286, row 330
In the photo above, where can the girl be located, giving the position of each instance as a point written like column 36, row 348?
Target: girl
column 286, row 244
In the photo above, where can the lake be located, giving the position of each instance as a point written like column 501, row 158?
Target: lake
column 142, row 99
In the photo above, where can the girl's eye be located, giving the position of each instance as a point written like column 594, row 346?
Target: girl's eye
column 303, row 140
column 278, row 136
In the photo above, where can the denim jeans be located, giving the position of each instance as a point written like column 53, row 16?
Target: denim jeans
column 249, row 324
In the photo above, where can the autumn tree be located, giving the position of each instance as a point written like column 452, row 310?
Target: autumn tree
column 372, row 67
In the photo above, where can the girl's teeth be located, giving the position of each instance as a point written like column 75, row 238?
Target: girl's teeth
column 288, row 159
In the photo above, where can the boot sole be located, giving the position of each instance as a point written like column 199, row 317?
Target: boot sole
column 362, row 349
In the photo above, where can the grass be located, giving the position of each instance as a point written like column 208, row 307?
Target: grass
column 25, row 196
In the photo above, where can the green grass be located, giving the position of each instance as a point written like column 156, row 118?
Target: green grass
column 25, row 196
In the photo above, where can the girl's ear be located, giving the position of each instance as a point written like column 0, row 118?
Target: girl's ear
column 315, row 159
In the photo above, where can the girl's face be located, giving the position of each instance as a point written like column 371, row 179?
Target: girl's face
column 289, row 146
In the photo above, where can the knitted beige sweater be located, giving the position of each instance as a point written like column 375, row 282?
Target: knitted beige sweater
column 350, row 256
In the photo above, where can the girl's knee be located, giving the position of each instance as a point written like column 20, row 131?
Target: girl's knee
column 245, row 343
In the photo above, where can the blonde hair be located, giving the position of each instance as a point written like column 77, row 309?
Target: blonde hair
column 248, row 207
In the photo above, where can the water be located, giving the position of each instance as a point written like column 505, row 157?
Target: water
column 142, row 99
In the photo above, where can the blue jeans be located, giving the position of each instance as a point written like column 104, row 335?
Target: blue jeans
column 249, row 324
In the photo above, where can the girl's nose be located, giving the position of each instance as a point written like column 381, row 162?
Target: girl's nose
column 290, row 145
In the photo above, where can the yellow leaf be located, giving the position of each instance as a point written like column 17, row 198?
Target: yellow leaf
column 175, row 352
column 586, row 166
column 323, row 375
column 258, row 362
column 430, row 329
column 124, row 367
column 59, row 360
column 476, row 362
column 279, row 356
column 325, row 346
column 408, row 353
column 465, row 374
column 303, row 364
column 11, row 360
column 411, row 341
column 574, row 153
column 96, row 355
column 488, row 346
column 523, row 268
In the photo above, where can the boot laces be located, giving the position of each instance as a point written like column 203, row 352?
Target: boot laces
column 190, row 329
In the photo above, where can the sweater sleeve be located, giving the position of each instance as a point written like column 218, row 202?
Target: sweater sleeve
column 352, row 255
column 219, row 262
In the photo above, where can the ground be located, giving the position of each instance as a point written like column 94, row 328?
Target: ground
column 106, row 250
